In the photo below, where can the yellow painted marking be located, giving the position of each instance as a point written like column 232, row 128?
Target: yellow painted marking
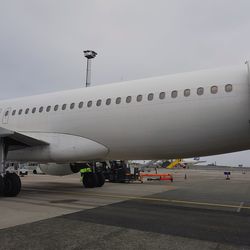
column 142, row 198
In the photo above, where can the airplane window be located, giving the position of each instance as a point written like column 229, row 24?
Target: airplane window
column 214, row 89
column 48, row 109
column 174, row 94
column 89, row 104
column 6, row 113
column 228, row 87
column 64, row 106
column 80, row 105
column 99, row 102
column 139, row 98
column 150, row 96
column 128, row 99
column 72, row 105
column 27, row 111
column 187, row 92
column 20, row 111
column 56, row 107
column 33, row 110
column 41, row 109
column 108, row 101
column 162, row 95
column 14, row 112
column 200, row 91
column 118, row 100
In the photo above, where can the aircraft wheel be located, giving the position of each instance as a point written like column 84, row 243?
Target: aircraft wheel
column 101, row 179
column 12, row 185
column 1, row 185
column 90, row 180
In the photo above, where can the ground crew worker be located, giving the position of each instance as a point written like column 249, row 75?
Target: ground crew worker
column 83, row 171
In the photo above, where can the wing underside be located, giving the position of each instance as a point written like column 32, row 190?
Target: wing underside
column 16, row 140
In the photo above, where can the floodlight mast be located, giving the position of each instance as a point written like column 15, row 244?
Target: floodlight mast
column 89, row 54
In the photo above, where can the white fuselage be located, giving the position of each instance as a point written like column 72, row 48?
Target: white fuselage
column 195, row 125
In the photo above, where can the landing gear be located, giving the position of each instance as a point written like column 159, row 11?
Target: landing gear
column 92, row 180
column 10, row 183
column 92, row 175
column 101, row 179
column 1, row 185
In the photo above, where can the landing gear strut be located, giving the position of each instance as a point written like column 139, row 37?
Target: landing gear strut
column 10, row 183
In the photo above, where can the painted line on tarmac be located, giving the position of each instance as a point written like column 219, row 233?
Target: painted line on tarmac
column 184, row 202
column 240, row 207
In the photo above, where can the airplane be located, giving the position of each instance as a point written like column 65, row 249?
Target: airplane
column 173, row 163
column 176, row 116
column 193, row 161
column 151, row 164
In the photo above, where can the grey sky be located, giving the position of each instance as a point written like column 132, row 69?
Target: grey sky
column 41, row 42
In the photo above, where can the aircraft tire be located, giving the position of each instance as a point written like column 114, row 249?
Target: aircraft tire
column 90, row 180
column 101, row 179
column 12, row 185
column 1, row 185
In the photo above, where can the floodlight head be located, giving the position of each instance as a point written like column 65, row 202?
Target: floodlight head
column 90, row 54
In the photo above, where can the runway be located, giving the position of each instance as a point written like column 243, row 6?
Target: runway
column 204, row 212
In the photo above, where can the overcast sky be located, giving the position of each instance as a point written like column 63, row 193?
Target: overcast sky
column 41, row 42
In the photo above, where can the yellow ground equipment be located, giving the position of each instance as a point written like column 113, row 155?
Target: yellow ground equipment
column 174, row 163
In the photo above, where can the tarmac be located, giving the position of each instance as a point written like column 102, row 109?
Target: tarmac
column 203, row 211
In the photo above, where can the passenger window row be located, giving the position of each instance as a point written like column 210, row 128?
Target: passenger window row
column 139, row 98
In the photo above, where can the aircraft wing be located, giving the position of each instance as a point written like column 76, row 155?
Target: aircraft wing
column 17, row 140
column 199, row 162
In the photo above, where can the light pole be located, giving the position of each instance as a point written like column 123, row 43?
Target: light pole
column 89, row 54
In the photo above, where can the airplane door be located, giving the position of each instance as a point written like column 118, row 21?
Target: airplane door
column 6, row 115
